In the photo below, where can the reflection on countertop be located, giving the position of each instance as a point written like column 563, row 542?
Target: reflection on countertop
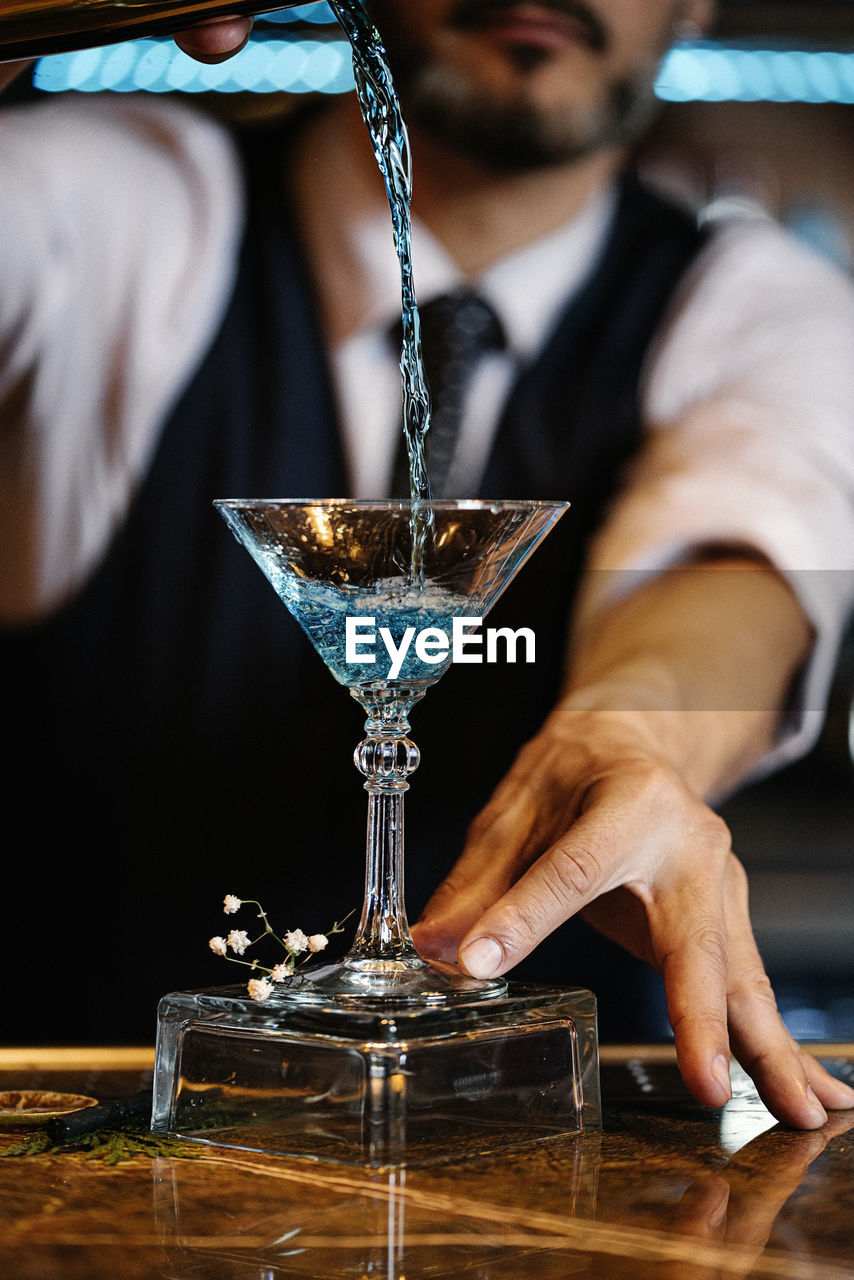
column 667, row 1188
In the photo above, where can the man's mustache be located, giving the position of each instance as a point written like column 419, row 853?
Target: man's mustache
column 478, row 13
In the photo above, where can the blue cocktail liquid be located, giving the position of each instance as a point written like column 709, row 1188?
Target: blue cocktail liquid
column 392, row 614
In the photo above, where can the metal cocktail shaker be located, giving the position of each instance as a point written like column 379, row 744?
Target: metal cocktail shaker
column 32, row 28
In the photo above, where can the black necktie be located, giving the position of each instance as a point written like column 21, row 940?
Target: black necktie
column 456, row 330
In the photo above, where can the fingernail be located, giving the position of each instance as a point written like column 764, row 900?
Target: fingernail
column 841, row 1095
column 482, row 957
column 720, row 1071
column 815, row 1106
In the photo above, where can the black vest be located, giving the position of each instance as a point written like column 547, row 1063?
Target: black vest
column 176, row 738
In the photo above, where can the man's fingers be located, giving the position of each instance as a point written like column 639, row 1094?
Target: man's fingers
column 462, row 899
column 495, row 855
column 790, row 1082
column 568, row 876
column 761, row 1043
column 448, row 916
column 832, row 1093
column 690, row 943
column 769, row 1055
column 215, row 40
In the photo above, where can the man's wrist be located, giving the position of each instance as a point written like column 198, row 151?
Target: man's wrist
column 708, row 750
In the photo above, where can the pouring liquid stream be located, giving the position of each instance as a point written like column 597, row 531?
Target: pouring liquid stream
column 384, row 121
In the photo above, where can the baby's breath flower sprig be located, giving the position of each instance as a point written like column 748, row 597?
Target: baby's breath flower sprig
column 299, row 947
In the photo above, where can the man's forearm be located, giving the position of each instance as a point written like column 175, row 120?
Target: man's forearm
column 698, row 662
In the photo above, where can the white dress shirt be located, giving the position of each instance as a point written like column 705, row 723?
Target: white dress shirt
column 120, row 224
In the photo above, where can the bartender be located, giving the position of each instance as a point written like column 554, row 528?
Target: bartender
column 185, row 314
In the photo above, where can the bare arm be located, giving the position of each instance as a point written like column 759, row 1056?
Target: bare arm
column 673, row 695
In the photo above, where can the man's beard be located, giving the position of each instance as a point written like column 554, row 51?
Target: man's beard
column 519, row 136
column 514, row 134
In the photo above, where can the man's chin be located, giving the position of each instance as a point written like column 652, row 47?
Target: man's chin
column 504, row 135
column 512, row 131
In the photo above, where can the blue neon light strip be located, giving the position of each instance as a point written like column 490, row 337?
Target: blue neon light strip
column 274, row 62
column 707, row 72
column 157, row 66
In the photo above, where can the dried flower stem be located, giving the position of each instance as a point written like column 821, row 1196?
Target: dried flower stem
column 294, row 942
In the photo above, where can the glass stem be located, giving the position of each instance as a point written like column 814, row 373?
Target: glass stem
column 386, row 757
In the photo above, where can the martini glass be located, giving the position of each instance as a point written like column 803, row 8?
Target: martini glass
column 380, row 589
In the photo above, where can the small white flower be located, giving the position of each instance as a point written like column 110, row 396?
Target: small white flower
column 230, row 904
column 218, row 946
column 238, row 940
column 296, row 941
column 280, row 972
column 317, row 942
column 259, row 988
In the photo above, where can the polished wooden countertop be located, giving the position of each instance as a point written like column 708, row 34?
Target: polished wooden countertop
column 666, row 1189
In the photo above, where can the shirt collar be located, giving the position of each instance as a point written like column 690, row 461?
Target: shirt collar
column 528, row 289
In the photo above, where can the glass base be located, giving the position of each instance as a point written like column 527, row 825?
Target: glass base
column 358, row 980
column 376, row 1085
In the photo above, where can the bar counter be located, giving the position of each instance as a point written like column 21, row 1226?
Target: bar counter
column 667, row 1188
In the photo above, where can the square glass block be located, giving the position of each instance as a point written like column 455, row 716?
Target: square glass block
column 382, row 1085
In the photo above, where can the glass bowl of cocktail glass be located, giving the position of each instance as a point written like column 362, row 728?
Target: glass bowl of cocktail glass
column 411, row 569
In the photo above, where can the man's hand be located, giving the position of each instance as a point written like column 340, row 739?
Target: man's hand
column 211, row 41
column 601, row 814
column 216, row 39
column 645, row 861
